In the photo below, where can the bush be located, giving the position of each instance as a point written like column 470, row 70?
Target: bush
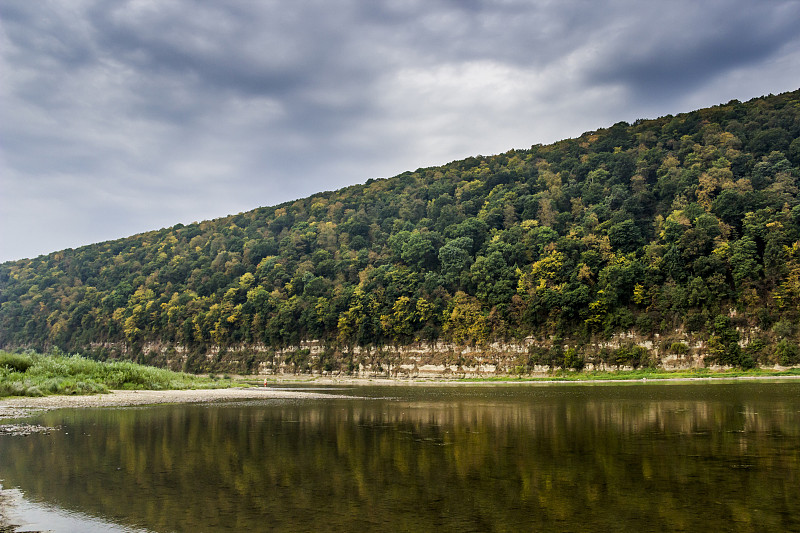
column 12, row 388
column 755, row 350
column 787, row 353
column 723, row 345
column 746, row 361
column 634, row 356
column 33, row 391
column 783, row 328
column 574, row 360
column 16, row 362
column 679, row 348
column 34, row 374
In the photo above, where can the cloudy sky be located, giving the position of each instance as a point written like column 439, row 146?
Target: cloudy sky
column 122, row 116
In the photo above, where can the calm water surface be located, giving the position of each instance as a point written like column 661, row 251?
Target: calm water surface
column 593, row 457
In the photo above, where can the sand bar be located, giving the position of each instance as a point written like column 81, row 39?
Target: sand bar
column 18, row 406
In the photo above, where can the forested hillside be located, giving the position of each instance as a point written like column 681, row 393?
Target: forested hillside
column 684, row 223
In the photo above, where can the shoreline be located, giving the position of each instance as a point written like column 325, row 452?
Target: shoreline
column 433, row 382
column 24, row 406
column 15, row 407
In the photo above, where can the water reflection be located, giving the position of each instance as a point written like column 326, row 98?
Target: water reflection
column 654, row 458
column 19, row 514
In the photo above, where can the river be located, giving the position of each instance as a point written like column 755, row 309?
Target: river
column 639, row 457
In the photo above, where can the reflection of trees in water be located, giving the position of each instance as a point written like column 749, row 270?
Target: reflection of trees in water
column 468, row 465
column 6, row 526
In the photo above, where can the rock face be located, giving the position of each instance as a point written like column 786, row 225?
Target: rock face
column 530, row 356
column 447, row 360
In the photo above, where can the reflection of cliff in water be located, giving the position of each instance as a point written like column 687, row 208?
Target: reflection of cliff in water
column 587, row 458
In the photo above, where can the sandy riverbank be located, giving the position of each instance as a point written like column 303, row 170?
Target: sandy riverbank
column 23, row 406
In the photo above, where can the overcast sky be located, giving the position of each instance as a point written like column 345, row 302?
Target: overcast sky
column 118, row 117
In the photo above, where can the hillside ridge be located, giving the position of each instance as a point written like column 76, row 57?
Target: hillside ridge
column 683, row 230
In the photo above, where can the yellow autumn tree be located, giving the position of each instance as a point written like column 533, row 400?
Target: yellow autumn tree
column 464, row 321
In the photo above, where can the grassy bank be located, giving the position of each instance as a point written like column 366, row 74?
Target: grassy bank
column 35, row 374
column 556, row 376
column 646, row 374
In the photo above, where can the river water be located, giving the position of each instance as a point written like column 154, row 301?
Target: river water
column 542, row 457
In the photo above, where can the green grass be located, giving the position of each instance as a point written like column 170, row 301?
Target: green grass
column 654, row 374
column 35, row 374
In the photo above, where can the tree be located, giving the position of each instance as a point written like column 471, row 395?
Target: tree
column 464, row 322
column 418, row 251
column 494, row 281
column 399, row 323
column 455, row 258
column 625, row 236
column 659, row 225
column 744, row 260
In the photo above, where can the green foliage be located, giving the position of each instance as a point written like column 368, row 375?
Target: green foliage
column 654, row 226
column 744, row 260
column 455, row 258
column 16, row 362
column 573, row 360
column 723, row 345
column 679, row 348
column 633, row 356
column 34, row 374
column 788, row 353
column 464, row 321
column 625, row 236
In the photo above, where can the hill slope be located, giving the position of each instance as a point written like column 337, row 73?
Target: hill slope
column 685, row 223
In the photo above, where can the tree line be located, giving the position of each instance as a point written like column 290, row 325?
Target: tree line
column 688, row 222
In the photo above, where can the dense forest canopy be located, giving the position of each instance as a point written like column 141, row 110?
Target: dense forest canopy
column 687, row 222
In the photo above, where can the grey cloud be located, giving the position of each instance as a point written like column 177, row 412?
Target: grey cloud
column 687, row 47
column 268, row 50
column 163, row 112
column 46, row 36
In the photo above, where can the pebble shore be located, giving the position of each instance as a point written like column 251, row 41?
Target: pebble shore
column 18, row 407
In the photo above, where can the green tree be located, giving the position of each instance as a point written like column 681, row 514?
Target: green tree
column 418, row 251
column 455, row 258
column 744, row 260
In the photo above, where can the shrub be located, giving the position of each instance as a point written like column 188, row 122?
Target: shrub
column 787, row 353
column 34, row 374
column 783, row 328
column 756, row 350
column 634, row 356
column 679, row 348
column 16, row 362
column 572, row 359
